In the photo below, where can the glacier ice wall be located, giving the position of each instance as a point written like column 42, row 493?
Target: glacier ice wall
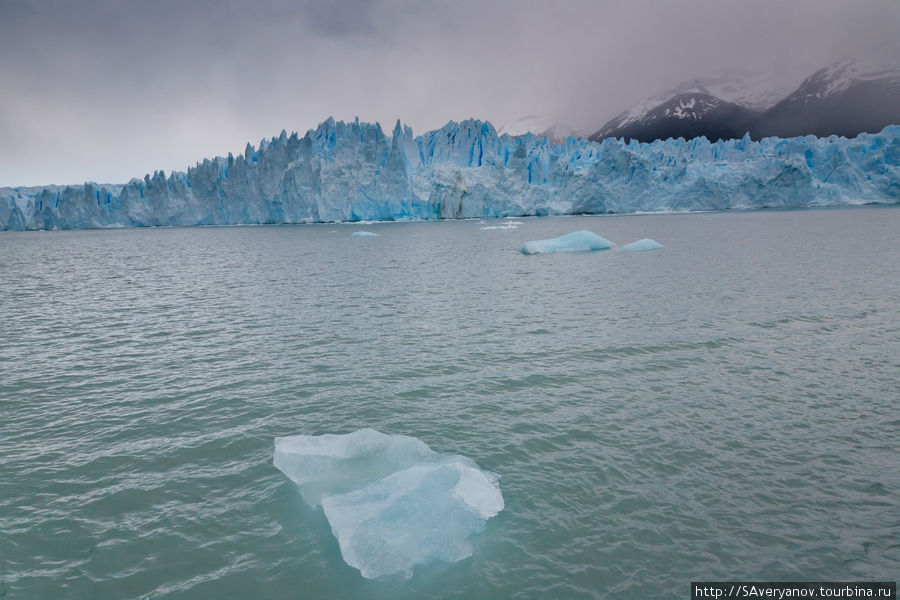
column 354, row 171
column 391, row 501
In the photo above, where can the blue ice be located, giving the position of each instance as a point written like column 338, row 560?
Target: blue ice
column 356, row 171
column 391, row 501
column 577, row 241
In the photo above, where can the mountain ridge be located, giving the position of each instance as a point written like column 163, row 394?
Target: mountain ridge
column 844, row 98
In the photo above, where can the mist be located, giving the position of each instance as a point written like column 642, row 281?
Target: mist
column 105, row 91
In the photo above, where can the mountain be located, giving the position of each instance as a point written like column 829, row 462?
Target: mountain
column 721, row 106
column 843, row 99
column 687, row 115
column 354, row 171
column 540, row 126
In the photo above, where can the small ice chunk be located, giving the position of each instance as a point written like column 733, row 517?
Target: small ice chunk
column 365, row 234
column 577, row 241
column 641, row 246
column 391, row 501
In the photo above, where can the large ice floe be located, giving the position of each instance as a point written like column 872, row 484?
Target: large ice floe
column 355, row 172
column 577, row 241
column 391, row 501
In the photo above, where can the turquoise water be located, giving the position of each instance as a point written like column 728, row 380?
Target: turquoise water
column 725, row 408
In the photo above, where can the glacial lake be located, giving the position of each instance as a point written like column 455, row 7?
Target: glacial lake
column 725, row 408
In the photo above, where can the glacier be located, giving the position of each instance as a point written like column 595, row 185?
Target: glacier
column 355, row 172
column 391, row 501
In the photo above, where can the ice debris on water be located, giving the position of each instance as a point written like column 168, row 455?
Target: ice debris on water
column 507, row 224
column 391, row 501
column 577, row 241
column 642, row 245
column 364, row 234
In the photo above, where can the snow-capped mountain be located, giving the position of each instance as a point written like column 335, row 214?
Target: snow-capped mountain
column 756, row 91
column 845, row 98
column 723, row 104
column 842, row 99
column 842, row 76
column 540, row 126
column 686, row 115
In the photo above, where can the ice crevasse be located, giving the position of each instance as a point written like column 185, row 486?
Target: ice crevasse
column 355, row 171
column 391, row 501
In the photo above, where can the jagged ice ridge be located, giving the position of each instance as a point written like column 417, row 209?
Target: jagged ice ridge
column 353, row 171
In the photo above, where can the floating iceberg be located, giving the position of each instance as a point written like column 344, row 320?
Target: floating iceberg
column 392, row 502
column 577, row 241
column 364, row 234
column 507, row 224
column 641, row 246
column 355, row 172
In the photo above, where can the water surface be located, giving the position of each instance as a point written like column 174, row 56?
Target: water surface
column 725, row 408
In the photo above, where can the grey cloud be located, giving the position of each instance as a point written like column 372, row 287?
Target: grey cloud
column 107, row 90
column 341, row 17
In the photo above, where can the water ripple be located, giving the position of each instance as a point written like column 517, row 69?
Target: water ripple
column 723, row 409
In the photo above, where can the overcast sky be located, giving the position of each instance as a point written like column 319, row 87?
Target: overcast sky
column 109, row 90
